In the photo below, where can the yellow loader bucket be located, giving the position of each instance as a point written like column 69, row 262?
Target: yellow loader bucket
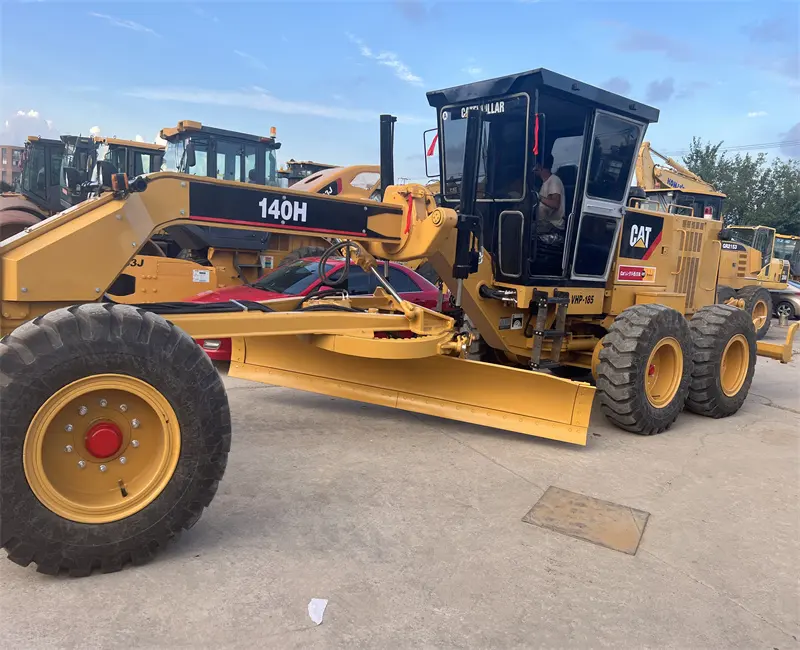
column 490, row 395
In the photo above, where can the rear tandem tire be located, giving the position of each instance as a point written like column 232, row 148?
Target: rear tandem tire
column 724, row 360
column 59, row 507
column 757, row 303
column 644, row 368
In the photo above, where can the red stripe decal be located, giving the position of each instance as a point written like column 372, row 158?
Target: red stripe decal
column 408, row 216
column 652, row 247
column 536, row 136
column 287, row 226
column 433, row 144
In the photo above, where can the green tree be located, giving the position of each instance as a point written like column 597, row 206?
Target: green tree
column 758, row 193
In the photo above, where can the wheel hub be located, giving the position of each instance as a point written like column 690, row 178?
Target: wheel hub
column 103, row 440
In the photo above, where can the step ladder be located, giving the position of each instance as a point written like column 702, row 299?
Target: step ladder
column 542, row 301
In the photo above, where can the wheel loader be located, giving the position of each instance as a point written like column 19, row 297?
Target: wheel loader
column 748, row 271
column 194, row 257
column 115, row 427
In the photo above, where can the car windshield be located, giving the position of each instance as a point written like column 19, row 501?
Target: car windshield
column 292, row 279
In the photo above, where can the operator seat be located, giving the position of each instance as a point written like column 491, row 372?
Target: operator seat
column 569, row 178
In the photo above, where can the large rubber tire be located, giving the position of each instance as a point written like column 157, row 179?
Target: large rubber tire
column 724, row 294
column 51, row 352
column 757, row 300
column 713, row 329
column 624, row 368
column 300, row 253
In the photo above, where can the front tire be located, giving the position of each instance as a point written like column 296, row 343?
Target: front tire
column 644, row 368
column 117, row 439
column 724, row 360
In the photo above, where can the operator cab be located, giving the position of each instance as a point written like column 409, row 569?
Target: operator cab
column 41, row 169
column 77, row 167
column 707, row 206
column 536, row 125
column 218, row 153
column 761, row 238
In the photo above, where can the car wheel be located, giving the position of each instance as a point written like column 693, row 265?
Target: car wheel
column 785, row 308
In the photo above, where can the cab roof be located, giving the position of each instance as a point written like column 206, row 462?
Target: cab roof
column 541, row 78
column 190, row 126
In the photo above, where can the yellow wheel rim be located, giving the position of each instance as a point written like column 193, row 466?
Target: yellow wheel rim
column 760, row 314
column 663, row 372
column 101, row 448
column 734, row 365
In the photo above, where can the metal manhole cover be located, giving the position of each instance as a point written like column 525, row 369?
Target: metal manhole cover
column 601, row 522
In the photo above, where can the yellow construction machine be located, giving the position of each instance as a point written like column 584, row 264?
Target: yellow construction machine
column 195, row 257
column 115, row 427
column 57, row 174
column 787, row 247
column 748, row 271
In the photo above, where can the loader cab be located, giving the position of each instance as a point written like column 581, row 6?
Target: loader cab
column 218, row 153
column 696, row 204
column 41, row 171
column 77, row 167
column 761, row 238
column 593, row 137
column 133, row 158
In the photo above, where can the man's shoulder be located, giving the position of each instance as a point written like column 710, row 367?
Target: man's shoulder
column 554, row 184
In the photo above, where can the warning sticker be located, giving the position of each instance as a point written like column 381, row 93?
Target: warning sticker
column 627, row 273
column 516, row 321
column 201, row 275
column 505, row 324
column 267, row 262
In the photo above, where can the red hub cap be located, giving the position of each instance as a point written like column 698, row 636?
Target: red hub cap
column 651, row 370
column 103, row 440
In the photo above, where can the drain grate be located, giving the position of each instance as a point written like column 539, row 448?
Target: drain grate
column 601, row 522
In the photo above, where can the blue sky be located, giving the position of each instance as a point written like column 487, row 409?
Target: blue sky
column 321, row 72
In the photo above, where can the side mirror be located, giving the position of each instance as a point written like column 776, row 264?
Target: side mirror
column 191, row 159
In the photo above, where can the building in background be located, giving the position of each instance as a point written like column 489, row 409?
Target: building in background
column 10, row 164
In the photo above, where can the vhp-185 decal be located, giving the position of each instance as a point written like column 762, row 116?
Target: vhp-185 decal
column 641, row 235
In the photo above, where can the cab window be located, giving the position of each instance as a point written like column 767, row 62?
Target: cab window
column 613, row 153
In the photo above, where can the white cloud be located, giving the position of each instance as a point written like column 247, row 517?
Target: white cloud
column 30, row 113
column 126, row 24
column 473, row 71
column 139, row 138
column 22, row 123
column 261, row 101
column 757, row 114
column 48, row 122
column 95, row 130
column 204, row 14
column 389, row 59
column 252, row 60
column 159, row 140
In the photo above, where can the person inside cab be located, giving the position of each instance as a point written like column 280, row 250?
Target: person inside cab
column 550, row 215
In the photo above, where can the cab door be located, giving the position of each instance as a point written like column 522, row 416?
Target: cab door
column 614, row 144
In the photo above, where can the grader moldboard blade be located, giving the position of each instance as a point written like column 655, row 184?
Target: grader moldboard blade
column 490, row 395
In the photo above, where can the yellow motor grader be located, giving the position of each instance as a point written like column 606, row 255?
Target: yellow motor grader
column 115, row 427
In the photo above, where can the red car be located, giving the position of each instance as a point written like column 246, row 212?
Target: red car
column 301, row 277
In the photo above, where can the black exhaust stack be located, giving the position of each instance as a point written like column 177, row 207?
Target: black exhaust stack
column 469, row 222
column 387, row 151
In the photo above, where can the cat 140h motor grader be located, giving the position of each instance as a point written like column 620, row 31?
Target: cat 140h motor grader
column 116, row 427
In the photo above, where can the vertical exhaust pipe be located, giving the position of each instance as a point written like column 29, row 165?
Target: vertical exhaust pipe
column 469, row 223
column 387, row 151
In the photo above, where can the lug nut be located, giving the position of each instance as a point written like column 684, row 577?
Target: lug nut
column 122, row 460
column 68, row 428
column 103, row 403
column 103, row 468
column 83, row 410
column 68, row 449
column 134, row 443
column 135, row 423
column 81, row 464
column 123, row 407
